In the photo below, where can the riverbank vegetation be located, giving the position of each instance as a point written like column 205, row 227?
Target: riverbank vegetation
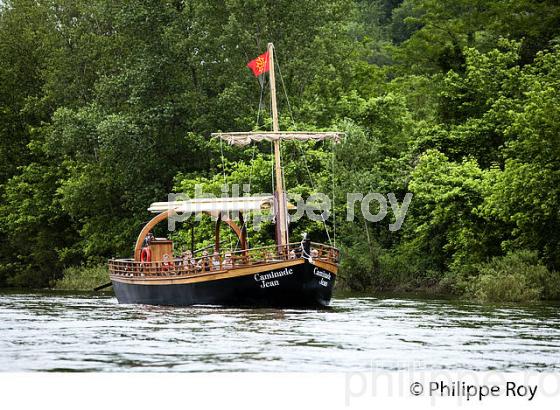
column 107, row 106
column 83, row 278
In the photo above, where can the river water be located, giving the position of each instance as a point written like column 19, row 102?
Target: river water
column 61, row 332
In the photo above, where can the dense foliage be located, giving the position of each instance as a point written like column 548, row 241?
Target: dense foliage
column 107, row 106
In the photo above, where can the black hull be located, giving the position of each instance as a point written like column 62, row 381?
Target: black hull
column 297, row 285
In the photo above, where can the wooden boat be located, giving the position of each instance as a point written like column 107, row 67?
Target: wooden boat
column 297, row 274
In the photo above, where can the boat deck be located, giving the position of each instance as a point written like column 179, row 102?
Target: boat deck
column 195, row 266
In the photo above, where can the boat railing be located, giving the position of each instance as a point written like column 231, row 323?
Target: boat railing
column 224, row 260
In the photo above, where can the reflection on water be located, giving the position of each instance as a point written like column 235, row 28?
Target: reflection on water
column 53, row 332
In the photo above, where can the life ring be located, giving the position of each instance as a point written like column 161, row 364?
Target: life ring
column 146, row 255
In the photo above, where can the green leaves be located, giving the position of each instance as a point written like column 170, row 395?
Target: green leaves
column 105, row 108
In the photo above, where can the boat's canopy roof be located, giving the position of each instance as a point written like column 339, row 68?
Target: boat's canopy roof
column 245, row 138
column 215, row 205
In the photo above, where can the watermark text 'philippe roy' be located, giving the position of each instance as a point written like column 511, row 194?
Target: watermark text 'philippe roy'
column 399, row 211
column 373, row 206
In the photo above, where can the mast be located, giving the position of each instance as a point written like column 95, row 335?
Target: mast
column 275, row 136
column 281, row 214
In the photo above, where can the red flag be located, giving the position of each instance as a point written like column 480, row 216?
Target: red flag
column 259, row 65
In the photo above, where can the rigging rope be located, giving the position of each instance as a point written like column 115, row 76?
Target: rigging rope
column 303, row 152
column 225, row 185
column 333, row 191
column 260, row 101
column 272, row 166
column 259, row 109
column 244, row 226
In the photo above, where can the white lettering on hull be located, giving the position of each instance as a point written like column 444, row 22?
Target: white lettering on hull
column 322, row 274
column 269, row 284
column 264, row 278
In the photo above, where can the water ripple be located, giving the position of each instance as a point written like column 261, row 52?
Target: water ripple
column 50, row 332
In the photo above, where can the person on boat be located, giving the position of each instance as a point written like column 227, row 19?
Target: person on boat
column 216, row 261
column 332, row 255
column 292, row 254
column 228, row 262
column 188, row 261
column 314, row 253
column 204, row 263
column 148, row 240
